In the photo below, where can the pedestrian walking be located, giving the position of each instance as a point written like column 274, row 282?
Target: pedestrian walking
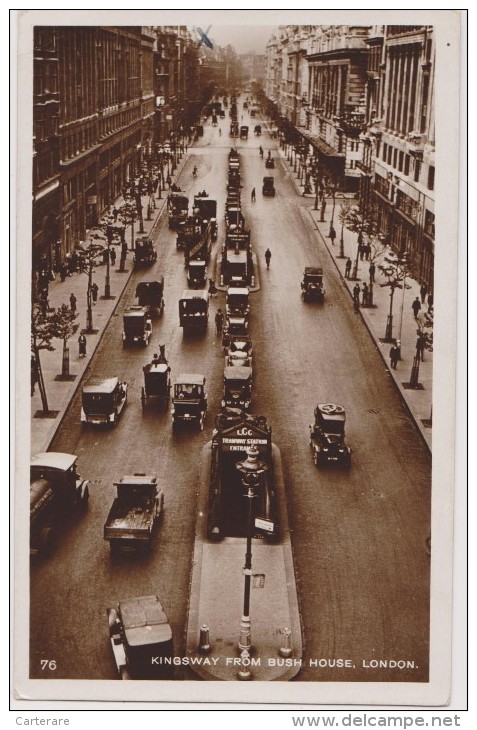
column 430, row 301
column 356, row 293
column 365, row 294
column 394, row 356
column 416, row 307
column 332, row 235
column 63, row 271
column 423, row 293
column 372, row 271
column 94, row 292
column 367, row 251
column 361, row 250
column 268, row 256
column 112, row 255
column 348, row 268
column 82, row 345
column 253, row 195
column 73, row 303
column 169, row 179
column 219, row 322
column 420, row 347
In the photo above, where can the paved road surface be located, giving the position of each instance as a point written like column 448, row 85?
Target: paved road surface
column 358, row 538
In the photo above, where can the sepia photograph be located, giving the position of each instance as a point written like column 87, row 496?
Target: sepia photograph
column 239, row 431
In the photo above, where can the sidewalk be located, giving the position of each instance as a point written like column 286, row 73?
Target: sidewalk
column 418, row 401
column 60, row 392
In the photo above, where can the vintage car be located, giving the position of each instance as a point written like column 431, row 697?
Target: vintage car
column 144, row 252
column 268, row 187
column 150, row 295
column 237, row 301
column 103, row 400
column 139, row 631
column 258, row 130
column 137, row 326
column 327, row 435
column 244, row 132
column 239, row 351
column 178, row 207
column 194, row 310
column 197, row 274
column 157, row 383
column 56, row 492
column 270, row 162
column 234, row 326
column 237, row 387
column 189, row 403
column 312, row 284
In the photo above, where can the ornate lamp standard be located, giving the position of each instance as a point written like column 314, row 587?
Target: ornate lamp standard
column 251, row 469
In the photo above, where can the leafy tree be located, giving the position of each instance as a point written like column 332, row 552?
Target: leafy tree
column 395, row 270
column 42, row 333
column 64, row 326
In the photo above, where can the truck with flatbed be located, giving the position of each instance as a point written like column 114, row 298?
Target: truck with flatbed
column 134, row 512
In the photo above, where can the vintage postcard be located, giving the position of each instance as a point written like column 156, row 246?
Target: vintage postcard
column 240, row 232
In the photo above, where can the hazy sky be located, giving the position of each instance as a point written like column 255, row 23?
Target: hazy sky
column 244, row 38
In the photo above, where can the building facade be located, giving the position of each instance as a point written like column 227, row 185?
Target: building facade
column 93, row 112
column 365, row 111
column 177, row 97
column 46, row 190
column 404, row 151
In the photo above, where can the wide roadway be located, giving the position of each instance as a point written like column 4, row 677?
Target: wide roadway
column 358, row 537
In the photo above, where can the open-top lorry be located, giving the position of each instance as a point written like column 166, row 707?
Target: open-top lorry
column 134, row 512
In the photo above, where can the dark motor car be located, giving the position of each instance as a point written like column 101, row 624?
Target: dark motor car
column 237, row 387
column 327, row 435
column 139, row 631
column 103, row 400
column 189, row 402
column 197, row 274
column 268, row 187
column 312, row 284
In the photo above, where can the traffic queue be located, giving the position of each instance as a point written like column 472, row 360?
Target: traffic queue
column 238, row 437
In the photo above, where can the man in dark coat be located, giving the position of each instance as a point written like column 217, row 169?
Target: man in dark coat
column 416, row 307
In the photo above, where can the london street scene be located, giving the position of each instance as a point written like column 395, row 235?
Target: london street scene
column 232, row 353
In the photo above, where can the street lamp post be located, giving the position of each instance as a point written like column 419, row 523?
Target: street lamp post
column 333, row 195
column 251, row 469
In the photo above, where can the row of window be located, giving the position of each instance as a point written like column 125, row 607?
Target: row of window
column 401, row 161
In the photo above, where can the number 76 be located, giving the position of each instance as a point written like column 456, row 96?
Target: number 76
column 48, row 664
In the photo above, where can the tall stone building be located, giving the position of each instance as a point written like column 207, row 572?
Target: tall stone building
column 367, row 117
column 92, row 122
column 404, row 160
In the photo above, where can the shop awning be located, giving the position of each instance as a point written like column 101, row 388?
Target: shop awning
column 321, row 145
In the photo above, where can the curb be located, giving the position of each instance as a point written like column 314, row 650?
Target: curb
column 53, row 432
column 375, row 341
column 197, row 569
